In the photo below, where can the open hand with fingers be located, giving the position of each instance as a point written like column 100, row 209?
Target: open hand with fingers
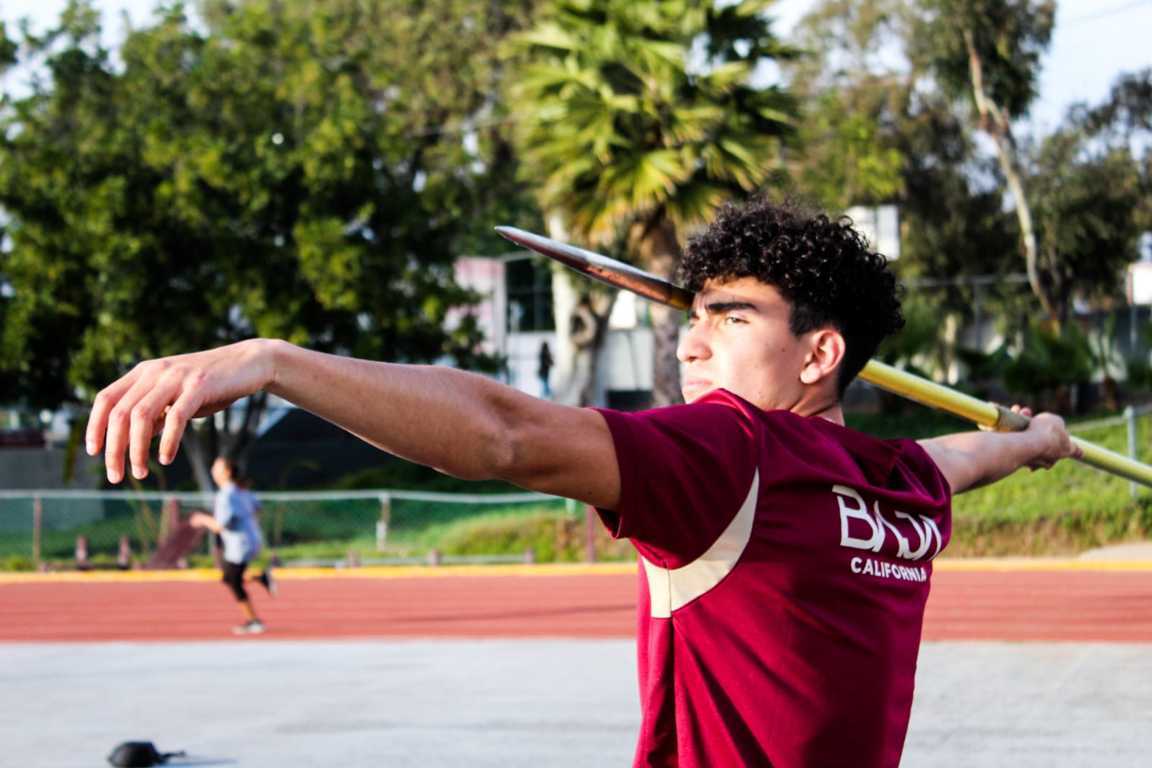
column 158, row 397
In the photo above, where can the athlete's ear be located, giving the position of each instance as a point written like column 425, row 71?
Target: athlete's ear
column 825, row 353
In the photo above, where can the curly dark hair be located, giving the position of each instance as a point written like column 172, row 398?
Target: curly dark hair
column 823, row 267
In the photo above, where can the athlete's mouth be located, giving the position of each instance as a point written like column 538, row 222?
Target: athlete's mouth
column 695, row 386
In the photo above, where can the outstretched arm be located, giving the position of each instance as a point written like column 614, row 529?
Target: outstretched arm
column 971, row 459
column 202, row 520
column 457, row 422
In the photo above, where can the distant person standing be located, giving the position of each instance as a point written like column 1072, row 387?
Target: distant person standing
column 544, row 370
column 234, row 520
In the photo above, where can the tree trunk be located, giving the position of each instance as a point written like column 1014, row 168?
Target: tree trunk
column 241, row 440
column 660, row 253
column 200, row 453
column 995, row 123
column 581, row 319
column 571, row 368
column 596, row 307
column 212, row 437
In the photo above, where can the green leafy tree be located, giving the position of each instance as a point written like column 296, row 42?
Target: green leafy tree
column 1091, row 184
column 1122, row 122
column 987, row 53
column 879, row 127
column 852, row 100
column 1048, row 365
column 301, row 171
column 872, row 133
column 637, row 118
column 1085, row 201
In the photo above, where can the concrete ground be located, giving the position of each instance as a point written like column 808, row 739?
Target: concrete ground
column 517, row 703
column 1135, row 551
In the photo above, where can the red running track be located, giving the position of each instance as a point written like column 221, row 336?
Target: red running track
column 1073, row 606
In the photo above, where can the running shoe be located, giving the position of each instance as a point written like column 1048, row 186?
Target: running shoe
column 266, row 579
column 253, row 627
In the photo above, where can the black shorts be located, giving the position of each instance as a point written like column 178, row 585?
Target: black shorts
column 234, row 578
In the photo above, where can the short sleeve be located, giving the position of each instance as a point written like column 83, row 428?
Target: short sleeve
column 228, row 509
column 684, row 473
column 918, row 474
column 221, row 509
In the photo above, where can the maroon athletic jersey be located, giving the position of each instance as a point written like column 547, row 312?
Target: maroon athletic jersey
column 784, row 567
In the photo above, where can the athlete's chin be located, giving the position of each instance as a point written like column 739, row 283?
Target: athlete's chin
column 693, row 391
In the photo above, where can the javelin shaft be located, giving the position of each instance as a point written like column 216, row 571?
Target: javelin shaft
column 992, row 416
column 923, row 391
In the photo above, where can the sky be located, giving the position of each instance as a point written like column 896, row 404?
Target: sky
column 1094, row 41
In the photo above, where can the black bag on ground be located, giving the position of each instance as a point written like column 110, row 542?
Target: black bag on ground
column 139, row 754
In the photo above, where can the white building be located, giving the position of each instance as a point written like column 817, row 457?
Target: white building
column 517, row 318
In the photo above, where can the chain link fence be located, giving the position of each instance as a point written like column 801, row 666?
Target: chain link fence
column 118, row 529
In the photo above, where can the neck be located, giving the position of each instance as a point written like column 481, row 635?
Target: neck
column 823, row 405
column 833, row 413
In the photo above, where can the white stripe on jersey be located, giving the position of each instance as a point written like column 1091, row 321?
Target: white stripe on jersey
column 673, row 588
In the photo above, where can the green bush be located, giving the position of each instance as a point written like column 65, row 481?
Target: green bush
column 1047, row 360
column 551, row 538
column 17, row 563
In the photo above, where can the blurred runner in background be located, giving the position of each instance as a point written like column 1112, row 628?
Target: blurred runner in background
column 234, row 520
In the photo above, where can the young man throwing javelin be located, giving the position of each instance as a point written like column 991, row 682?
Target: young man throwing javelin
column 785, row 558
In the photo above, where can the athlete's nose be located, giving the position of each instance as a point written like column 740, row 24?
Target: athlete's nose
column 693, row 344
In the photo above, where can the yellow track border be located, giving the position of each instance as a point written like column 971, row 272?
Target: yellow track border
column 365, row 572
column 1014, row 564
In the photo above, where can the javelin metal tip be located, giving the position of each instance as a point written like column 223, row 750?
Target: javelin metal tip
column 599, row 267
column 515, row 234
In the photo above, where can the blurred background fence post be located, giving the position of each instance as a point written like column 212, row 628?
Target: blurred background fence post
column 82, row 563
column 1133, row 450
column 37, row 526
column 382, row 523
column 169, row 518
column 124, row 553
column 590, row 523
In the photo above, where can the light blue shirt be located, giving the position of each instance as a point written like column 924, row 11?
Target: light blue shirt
column 235, row 510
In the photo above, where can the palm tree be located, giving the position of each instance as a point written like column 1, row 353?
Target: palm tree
column 637, row 118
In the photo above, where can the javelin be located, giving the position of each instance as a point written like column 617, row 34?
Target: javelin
column 985, row 414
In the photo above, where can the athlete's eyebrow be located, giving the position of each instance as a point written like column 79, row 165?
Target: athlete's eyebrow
column 721, row 307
